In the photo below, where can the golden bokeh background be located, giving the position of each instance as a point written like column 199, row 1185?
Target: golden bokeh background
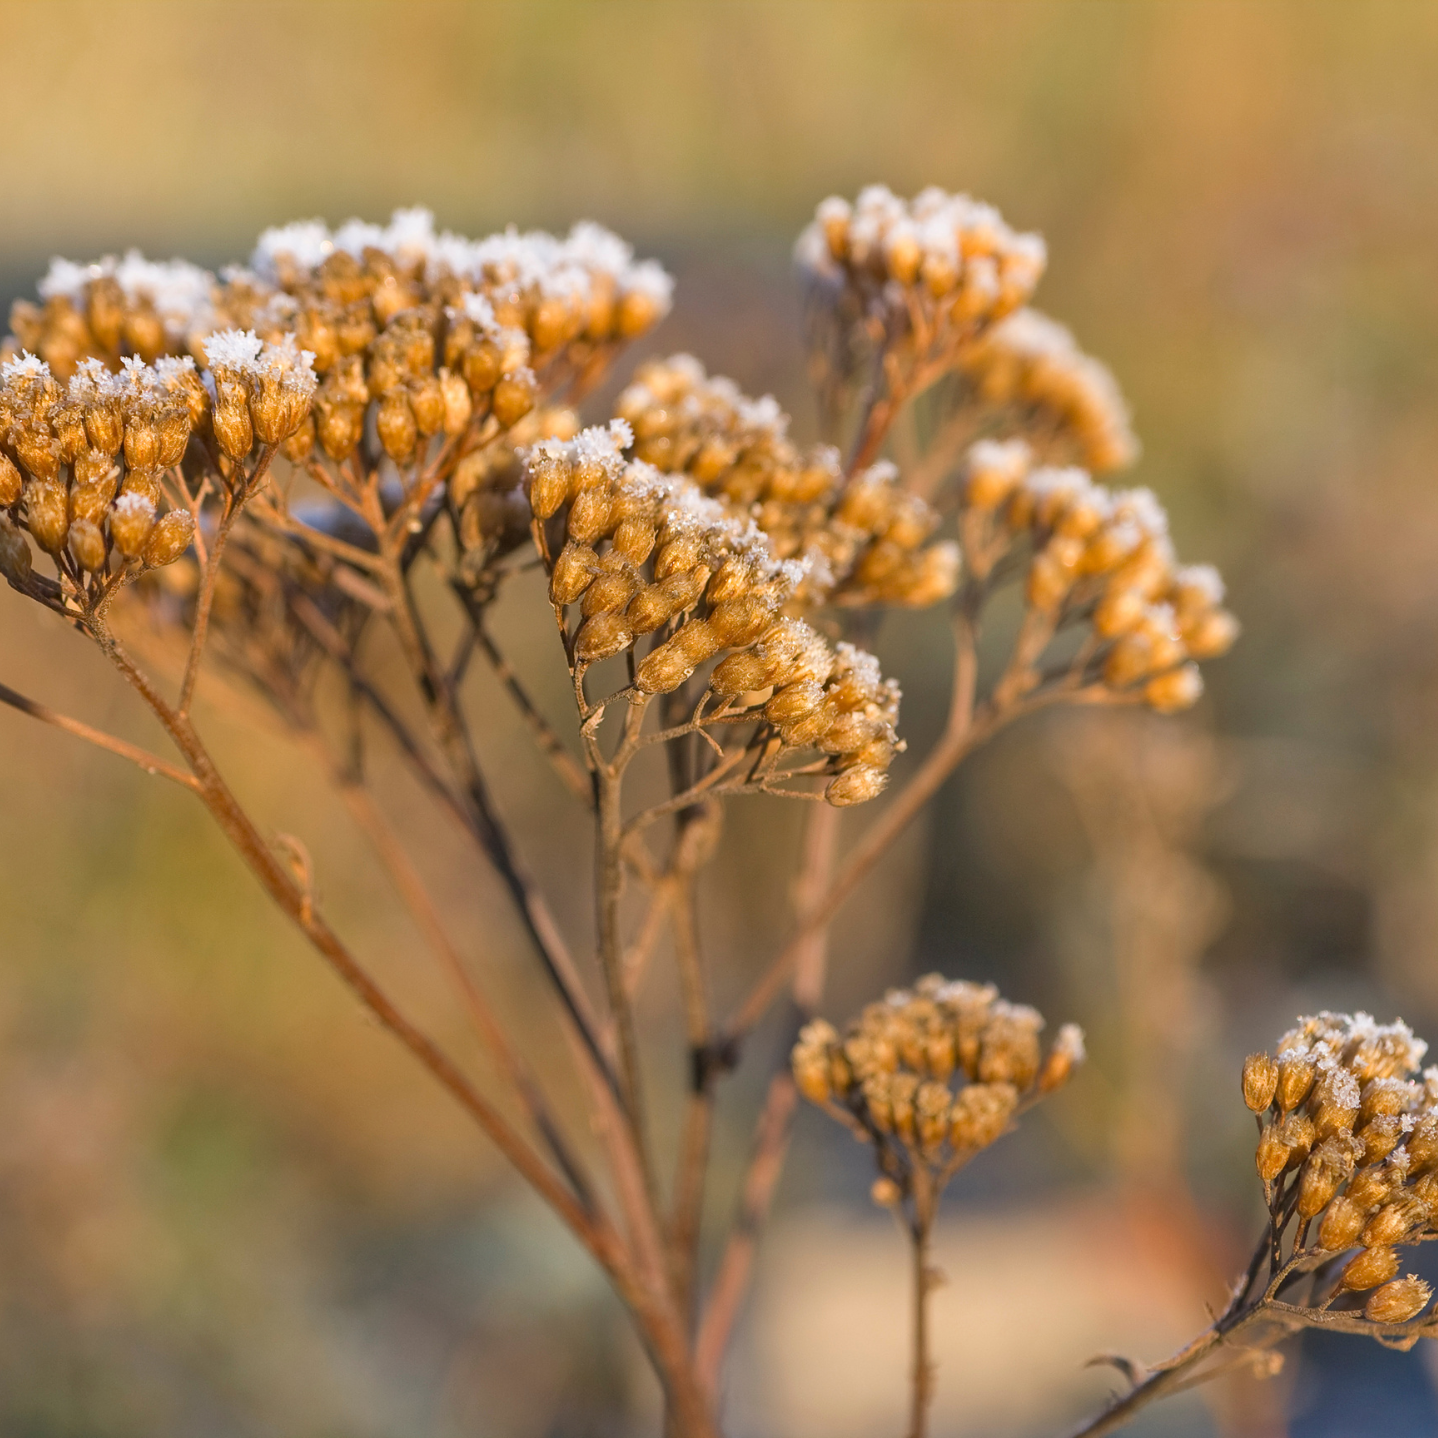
column 226, row 1204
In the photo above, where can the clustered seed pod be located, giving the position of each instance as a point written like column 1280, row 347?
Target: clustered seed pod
column 933, row 1074
column 868, row 540
column 947, row 259
column 641, row 553
column 81, row 465
column 1104, row 555
column 1029, row 376
column 1347, row 1114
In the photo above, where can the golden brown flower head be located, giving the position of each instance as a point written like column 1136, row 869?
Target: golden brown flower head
column 1398, row 1300
column 641, row 553
column 1104, row 557
column 942, row 265
column 85, row 469
column 1348, row 1112
column 866, row 539
column 933, row 1074
column 1030, row 377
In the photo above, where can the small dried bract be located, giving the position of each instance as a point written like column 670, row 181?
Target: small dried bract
column 933, row 1075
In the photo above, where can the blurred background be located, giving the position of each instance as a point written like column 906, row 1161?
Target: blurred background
column 228, row 1207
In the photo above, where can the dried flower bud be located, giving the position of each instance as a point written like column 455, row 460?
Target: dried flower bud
column 131, row 521
column 47, row 514
column 1064, row 1057
column 877, row 1101
column 395, row 421
column 233, row 429
column 981, row 1113
column 1175, row 690
column 1295, row 1078
column 299, row 446
column 514, row 396
column 1334, row 1102
column 10, row 482
column 856, row 786
column 1271, row 1156
column 1380, row 1136
column 174, row 436
column 142, row 441
column 15, row 558
column 339, row 425
column 87, row 545
column 458, row 403
column 1368, row 1269
column 931, row 1107
column 603, row 636
column 885, row 1193
column 1341, row 1225
column 1260, row 1081
column 170, row 538
column 1324, row 1169
column 1009, row 1046
column 1298, row 1133
column 1398, row 1301
column 902, row 1089
column 1394, row 1221
column 1372, row 1186
column 574, row 571
column 105, row 426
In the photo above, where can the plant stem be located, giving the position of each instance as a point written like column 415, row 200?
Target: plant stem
column 688, row 1202
column 150, row 763
column 921, row 1233
column 608, row 885
column 960, row 735
column 206, row 598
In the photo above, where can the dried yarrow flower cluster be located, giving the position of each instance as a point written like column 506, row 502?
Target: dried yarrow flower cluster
column 87, row 468
column 1349, row 1141
column 1031, row 378
column 337, row 291
column 644, row 553
column 429, row 333
column 698, row 560
column 936, row 266
column 1101, row 558
column 867, row 539
column 932, row 1075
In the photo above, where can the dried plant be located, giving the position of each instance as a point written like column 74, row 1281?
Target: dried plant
column 888, row 1080
column 1348, row 1157
column 375, row 431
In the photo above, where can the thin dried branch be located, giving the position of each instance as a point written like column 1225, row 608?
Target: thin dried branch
column 150, row 763
column 234, row 502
